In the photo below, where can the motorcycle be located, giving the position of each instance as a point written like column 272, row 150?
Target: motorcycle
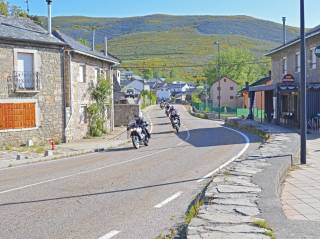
column 138, row 137
column 175, row 121
column 162, row 104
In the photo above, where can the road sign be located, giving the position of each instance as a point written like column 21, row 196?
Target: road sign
column 317, row 51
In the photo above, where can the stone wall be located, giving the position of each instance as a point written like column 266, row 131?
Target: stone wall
column 49, row 99
column 78, row 94
column 123, row 114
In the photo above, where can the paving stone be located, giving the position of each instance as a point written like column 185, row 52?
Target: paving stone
column 237, row 202
column 250, row 196
column 248, row 211
column 237, row 189
column 243, row 228
column 221, row 235
column 218, row 218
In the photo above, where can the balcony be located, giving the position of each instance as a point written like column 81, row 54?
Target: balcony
column 26, row 82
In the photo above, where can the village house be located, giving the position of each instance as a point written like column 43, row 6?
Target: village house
column 83, row 67
column 283, row 91
column 31, row 83
column 228, row 93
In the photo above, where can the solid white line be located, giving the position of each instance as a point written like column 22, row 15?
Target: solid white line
column 83, row 172
column 231, row 160
column 173, row 197
column 110, row 234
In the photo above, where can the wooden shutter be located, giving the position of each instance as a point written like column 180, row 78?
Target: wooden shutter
column 17, row 115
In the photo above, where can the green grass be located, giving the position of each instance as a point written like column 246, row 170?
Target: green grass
column 193, row 211
column 263, row 224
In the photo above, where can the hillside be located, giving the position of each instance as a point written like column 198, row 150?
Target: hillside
column 166, row 41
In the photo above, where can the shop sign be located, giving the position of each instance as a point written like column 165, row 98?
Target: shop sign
column 288, row 78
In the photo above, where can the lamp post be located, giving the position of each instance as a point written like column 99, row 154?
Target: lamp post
column 219, row 84
column 303, row 100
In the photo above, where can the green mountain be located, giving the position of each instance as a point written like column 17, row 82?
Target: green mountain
column 175, row 41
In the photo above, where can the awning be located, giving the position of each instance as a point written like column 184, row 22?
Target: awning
column 262, row 88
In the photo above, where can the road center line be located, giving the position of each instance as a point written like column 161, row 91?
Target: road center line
column 231, row 160
column 173, row 197
column 110, row 234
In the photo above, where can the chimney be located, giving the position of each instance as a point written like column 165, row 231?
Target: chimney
column 49, row 17
column 93, row 38
column 284, row 30
column 106, row 46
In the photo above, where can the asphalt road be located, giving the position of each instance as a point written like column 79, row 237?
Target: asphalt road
column 122, row 193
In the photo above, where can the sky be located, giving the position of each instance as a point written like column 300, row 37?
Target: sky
column 272, row 10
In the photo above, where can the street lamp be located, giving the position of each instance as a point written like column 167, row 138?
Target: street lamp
column 303, row 100
column 219, row 84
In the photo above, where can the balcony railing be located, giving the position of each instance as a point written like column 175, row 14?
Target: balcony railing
column 26, row 81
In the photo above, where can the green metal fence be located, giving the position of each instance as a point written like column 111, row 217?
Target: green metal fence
column 227, row 111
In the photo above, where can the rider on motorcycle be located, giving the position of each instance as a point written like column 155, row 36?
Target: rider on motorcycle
column 140, row 122
column 174, row 114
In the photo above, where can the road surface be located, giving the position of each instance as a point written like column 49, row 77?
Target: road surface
column 122, row 193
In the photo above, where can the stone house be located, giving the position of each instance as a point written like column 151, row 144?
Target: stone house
column 228, row 93
column 31, row 83
column 83, row 67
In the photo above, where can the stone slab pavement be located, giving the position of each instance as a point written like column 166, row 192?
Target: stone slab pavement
column 301, row 190
column 248, row 193
column 8, row 158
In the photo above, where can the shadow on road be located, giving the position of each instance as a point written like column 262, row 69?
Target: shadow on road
column 163, row 124
column 207, row 137
column 163, row 132
column 98, row 193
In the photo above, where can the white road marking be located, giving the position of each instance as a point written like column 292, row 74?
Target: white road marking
column 231, row 160
column 110, row 234
column 173, row 197
column 92, row 170
column 83, row 172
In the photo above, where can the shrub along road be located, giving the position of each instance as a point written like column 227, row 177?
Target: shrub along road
column 122, row 193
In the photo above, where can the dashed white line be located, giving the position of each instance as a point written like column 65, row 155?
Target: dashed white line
column 231, row 160
column 169, row 199
column 110, row 234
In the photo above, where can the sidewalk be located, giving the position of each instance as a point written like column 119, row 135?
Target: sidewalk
column 8, row 158
column 301, row 192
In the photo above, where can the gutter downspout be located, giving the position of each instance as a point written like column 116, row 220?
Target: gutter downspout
column 63, row 94
column 70, row 92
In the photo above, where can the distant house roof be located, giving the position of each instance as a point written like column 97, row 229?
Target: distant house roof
column 24, row 29
column 217, row 81
column 78, row 47
column 313, row 32
column 259, row 82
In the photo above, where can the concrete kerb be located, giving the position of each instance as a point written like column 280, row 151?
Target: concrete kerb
column 65, row 155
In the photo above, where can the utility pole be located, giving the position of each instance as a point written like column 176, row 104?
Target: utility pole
column 303, row 86
column 27, row 3
column 219, row 83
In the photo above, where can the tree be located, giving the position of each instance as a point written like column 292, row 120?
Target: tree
column 4, row 8
column 147, row 74
column 237, row 64
column 84, row 42
column 17, row 11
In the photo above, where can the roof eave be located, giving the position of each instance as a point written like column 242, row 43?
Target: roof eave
column 33, row 41
column 97, row 57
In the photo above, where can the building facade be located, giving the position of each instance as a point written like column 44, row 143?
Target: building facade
column 286, row 80
column 228, row 93
column 31, row 83
column 83, row 68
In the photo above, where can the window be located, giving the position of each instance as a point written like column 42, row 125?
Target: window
column 225, row 80
column 218, row 88
column 297, row 59
column 82, row 73
column 218, row 97
column 96, row 75
column 284, row 66
column 231, row 88
column 25, row 72
column 231, row 97
column 313, row 58
column 83, row 114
